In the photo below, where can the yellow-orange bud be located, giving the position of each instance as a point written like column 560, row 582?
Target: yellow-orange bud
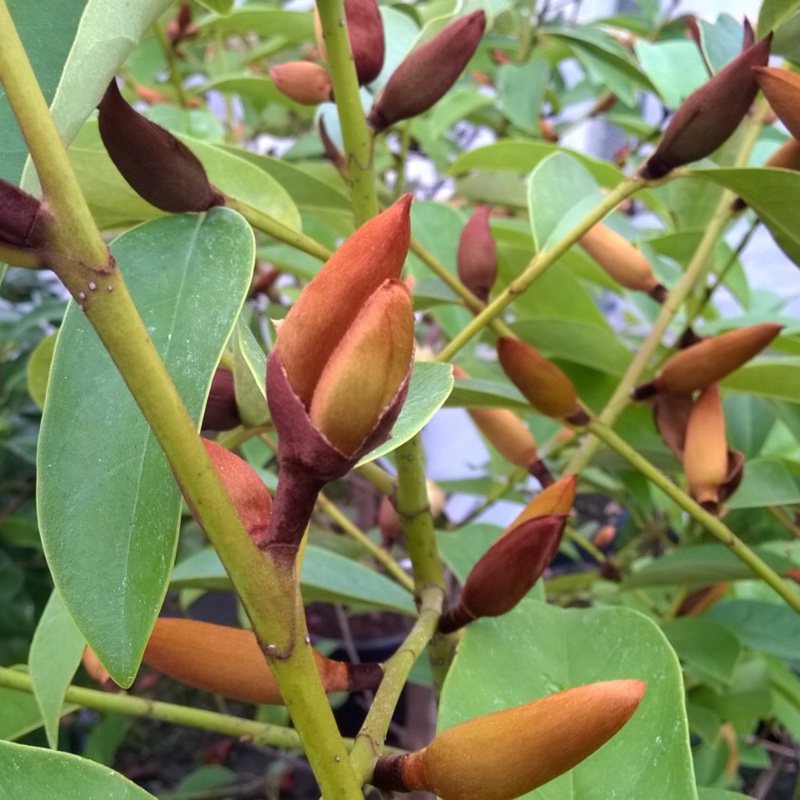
column 507, row 433
column 621, row 260
column 555, row 499
column 503, row 755
column 705, row 454
column 782, row 90
column 302, row 81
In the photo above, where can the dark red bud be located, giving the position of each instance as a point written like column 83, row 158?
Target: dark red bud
column 476, row 259
column 367, row 40
column 221, row 412
column 158, row 167
column 19, row 215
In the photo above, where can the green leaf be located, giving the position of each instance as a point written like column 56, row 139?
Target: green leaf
column 428, row 389
column 675, row 68
column 461, row 549
column 521, row 88
column 21, row 713
column 249, row 374
column 475, row 393
column 37, row 371
column 295, row 26
column 56, row 651
column 259, row 90
column 773, row 13
column 708, row 648
column 35, row 772
column 536, row 649
column 770, row 627
column 706, row 793
column 108, row 505
column 765, row 482
column 768, row 378
column 721, row 40
column 748, row 421
column 325, row 576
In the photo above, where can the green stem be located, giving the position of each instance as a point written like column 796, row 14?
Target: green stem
column 19, row 256
column 357, row 137
column 712, row 524
column 538, row 264
column 378, row 477
column 277, row 230
column 586, row 544
column 369, row 742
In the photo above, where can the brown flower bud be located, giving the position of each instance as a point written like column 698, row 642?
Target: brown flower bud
column 695, row 603
column 710, row 114
column 427, row 72
column 544, row 385
column 671, row 416
column 476, row 259
column 221, row 412
column 158, row 167
column 302, row 81
column 505, row 573
column 709, row 361
column 505, row 754
column 229, row 661
column 20, row 221
column 621, row 260
column 181, row 27
column 705, row 455
column 555, row 499
column 331, row 151
column 782, row 90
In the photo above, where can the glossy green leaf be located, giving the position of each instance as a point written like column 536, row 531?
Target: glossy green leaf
column 765, row 482
column 773, row 13
column 706, row 647
column 108, row 504
column 56, row 651
column 536, row 649
column 773, row 628
column 428, row 389
column 33, row 772
column 249, row 373
column 21, row 713
column 325, row 576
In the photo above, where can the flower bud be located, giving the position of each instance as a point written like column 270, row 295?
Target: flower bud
column 181, row 27
column 222, row 413
column 621, row 261
column 671, row 416
column 229, row 662
column 709, row 361
column 710, row 114
column 20, row 223
column 555, row 499
column 705, row 455
column 505, row 754
column 505, row 573
column 782, row 90
column 96, row 671
column 158, row 167
column 544, row 385
column 302, row 81
column 476, row 259
column 427, row 72
column 697, row 602
column 330, row 150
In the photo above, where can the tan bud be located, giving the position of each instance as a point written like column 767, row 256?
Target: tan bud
column 705, row 454
column 508, row 434
column 782, row 90
column 505, row 754
column 388, row 523
column 476, row 258
column 302, row 81
column 621, row 260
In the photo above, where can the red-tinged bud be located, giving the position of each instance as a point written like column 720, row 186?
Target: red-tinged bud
column 302, row 81
column 229, row 662
column 709, row 361
column 222, row 413
column 710, row 114
column 782, row 90
column 705, row 454
column 20, row 220
column 505, row 754
column 338, row 374
column 555, row 499
column 181, row 27
column 367, row 40
column 476, row 258
column 543, row 384
column 427, row 72
column 622, row 261
column 547, row 131
column 604, row 536
column 158, row 167
column 505, row 573
column 695, row 603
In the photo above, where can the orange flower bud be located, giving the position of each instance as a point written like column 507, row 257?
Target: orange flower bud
column 302, row 81
column 505, row 754
column 621, row 260
column 705, row 455
column 158, row 167
column 96, row 671
column 544, row 385
column 710, row 114
column 709, row 360
column 19, row 217
column 505, row 573
column 221, row 413
column 782, row 90
column 507, row 433
column 476, row 259
column 230, row 662
column 555, row 499
column 786, row 156
column 427, row 72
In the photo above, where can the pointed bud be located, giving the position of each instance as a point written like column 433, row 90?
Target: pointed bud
column 786, row 156
column 555, row 499
column 427, row 72
column 782, row 90
column 544, row 385
column 367, row 40
column 158, row 167
column 705, row 455
column 302, row 81
column 222, row 413
column 709, row 361
column 505, row 754
column 476, row 259
column 505, row 573
column 181, row 27
column 671, row 416
column 229, row 662
column 695, row 603
column 20, row 223
column 621, row 261
column 710, row 114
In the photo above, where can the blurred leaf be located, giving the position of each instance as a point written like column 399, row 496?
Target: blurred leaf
column 21, row 714
column 765, row 482
column 772, row 628
column 474, row 393
column 773, row 13
column 748, row 422
column 259, row 90
column 295, row 26
column 521, row 88
column 37, row 371
column 721, row 40
column 111, row 559
column 707, row 647
column 769, row 378
column 675, row 68
column 207, row 776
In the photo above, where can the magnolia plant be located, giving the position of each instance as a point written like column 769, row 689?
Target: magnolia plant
column 248, row 337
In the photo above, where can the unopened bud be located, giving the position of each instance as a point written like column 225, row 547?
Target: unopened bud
column 229, row 662
column 709, row 361
column 555, row 499
column 505, row 754
column 476, row 259
column 782, row 90
column 710, row 114
column 302, row 81
column 19, row 217
column 331, row 151
column 158, row 167
column 621, row 260
column 427, row 72
column 222, row 413
column 543, row 384
column 671, row 416
column 95, row 670
column 705, row 454
column 695, row 603
column 505, row 573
